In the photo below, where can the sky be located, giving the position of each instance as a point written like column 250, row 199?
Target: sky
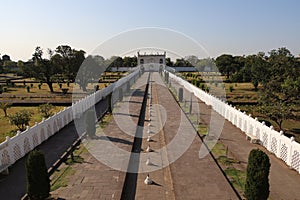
column 219, row 26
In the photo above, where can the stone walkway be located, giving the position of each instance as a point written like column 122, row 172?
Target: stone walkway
column 94, row 179
column 192, row 177
column 158, row 169
column 175, row 177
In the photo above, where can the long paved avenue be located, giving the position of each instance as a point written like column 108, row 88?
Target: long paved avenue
column 176, row 170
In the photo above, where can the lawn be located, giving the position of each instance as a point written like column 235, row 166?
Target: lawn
column 10, row 130
column 20, row 92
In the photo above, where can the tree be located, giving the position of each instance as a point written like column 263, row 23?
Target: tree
column 182, row 63
column 46, row 110
column 169, row 62
column 4, row 106
column 192, row 59
column 69, row 60
column 38, row 182
column 225, row 64
column 204, row 63
column 276, row 111
column 257, row 181
column 115, row 61
column 20, row 119
column 44, row 69
column 281, row 89
column 129, row 61
column 89, row 72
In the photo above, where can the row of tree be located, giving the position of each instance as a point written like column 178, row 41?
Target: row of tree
column 60, row 65
column 278, row 74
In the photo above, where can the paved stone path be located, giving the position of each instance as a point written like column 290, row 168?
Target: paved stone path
column 163, row 187
column 192, row 177
column 186, row 178
column 284, row 182
column 93, row 179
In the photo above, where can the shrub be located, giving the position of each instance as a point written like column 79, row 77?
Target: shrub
column 231, row 88
column 4, row 106
column 207, row 89
column 40, row 86
column 257, row 182
column 46, row 110
column 255, row 84
column 68, row 84
column 31, row 85
column 20, row 119
column 27, row 88
column 96, row 87
column 38, row 182
column 7, row 82
column 202, row 87
column 24, row 83
column 60, row 85
column 90, row 123
column 64, row 90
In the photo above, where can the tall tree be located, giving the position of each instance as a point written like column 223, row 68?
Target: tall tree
column 69, row 60
column 227, row 64
column 89, row 72
column 281, row 89
column 44, row 69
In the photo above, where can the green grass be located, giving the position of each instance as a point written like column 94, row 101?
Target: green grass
column 219, row 150
column 10, row 130
column 105, row 120
column 237, row 177
column 61, row 176
column 202, row 129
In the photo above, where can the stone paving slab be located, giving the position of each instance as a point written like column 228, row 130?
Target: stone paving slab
column 192, row 177
column 163, row 187
column 94, row 179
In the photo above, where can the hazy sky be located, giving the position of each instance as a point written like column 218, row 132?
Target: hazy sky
column 221, row 26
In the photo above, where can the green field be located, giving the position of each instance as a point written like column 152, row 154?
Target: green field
column 10, row 130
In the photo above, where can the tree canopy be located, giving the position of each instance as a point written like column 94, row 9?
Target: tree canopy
column 278, row 75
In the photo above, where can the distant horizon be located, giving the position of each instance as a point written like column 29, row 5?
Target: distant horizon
column 147, row 53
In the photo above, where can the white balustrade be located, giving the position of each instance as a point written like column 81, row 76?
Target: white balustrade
column 287, row 149
column 12, row 149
